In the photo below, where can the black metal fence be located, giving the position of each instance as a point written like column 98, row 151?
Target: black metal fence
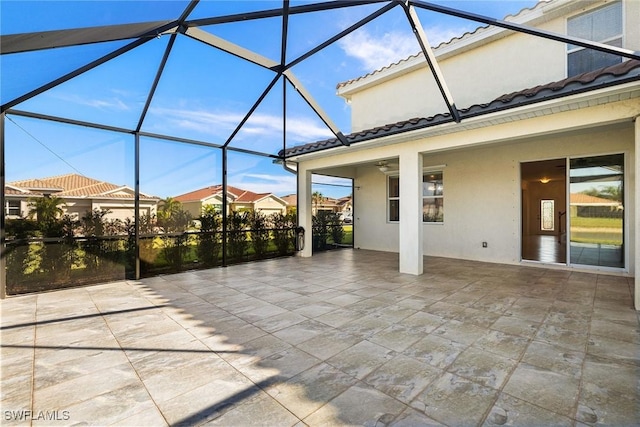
column 38, row 264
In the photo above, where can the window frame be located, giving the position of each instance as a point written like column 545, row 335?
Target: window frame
column 620, row 36
column 425, row 172
column 392, row 198
column 434, row 196
column 8, row 207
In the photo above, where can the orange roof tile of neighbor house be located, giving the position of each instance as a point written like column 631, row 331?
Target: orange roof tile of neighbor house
column 292, row 199
column 238, row 194
column 70, row 185
column 586, row 199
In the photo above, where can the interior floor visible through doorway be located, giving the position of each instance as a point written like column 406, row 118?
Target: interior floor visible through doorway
column 545, row 248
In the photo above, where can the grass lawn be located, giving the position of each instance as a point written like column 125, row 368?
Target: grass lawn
column 596, row 222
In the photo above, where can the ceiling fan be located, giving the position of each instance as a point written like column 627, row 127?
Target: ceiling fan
column 382, row 166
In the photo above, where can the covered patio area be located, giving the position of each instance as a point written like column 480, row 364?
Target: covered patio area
column 342, row 338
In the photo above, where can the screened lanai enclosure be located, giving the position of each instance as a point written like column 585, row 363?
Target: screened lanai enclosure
column 143, row 138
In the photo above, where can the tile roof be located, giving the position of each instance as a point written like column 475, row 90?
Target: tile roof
column 614, row 75
column 291, row 199
column 9, row 189
column 586, row 199
column 200, row 194
column 72, row 185
column 239, row 195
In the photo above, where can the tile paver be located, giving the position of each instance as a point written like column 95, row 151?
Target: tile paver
column 341, row 338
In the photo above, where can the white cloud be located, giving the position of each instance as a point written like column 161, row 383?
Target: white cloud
column 112, row 103
column 280, row 185
column 223, row 123
column 377, row 52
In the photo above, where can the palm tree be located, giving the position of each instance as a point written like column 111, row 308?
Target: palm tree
column 167, row 209
column 317, row 198
column 169, row 205
column 46, row 209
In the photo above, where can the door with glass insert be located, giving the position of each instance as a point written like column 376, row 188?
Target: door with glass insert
column 596, row 211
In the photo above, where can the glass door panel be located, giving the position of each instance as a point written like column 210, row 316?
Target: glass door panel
column 596, row 221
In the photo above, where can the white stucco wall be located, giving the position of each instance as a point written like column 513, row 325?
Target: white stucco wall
column 489, row 70
column 482, row 195
column 270, row 205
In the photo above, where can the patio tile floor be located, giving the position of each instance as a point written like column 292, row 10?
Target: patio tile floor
column 341, row 338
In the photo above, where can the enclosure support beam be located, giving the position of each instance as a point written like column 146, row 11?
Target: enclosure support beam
column 3, row 254
column 430, row 57
column 273, row 13
column 156, row 80
column 251, row 110
column 233, row 49
column 342, row 34
column 410, row 224
column 82, row 70
column 136, row 208
column 297, row 85
column 224, row 206
column 601, row 47
column 635, row 250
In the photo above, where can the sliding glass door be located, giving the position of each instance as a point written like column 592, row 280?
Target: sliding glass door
column 596, row 211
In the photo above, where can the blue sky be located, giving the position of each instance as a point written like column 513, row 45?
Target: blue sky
column 203, row 93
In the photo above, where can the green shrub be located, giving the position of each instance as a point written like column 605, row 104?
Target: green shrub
column 209, row 242
column 237, row 244
column 283, row 235
column 259, row 225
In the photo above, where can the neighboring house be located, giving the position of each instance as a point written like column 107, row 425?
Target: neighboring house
column 343, row 205
column 291, row 200
column 237, row 200
column 538, row 119
column 326, row 204
column 80, row 194
column 584, row 205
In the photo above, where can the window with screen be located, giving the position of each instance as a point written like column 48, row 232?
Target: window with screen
column 603, row 25
column 432, row 197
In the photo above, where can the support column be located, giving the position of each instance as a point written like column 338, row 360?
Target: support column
column 635, row 220
column 136, row 208
column 304, row 210
column 3, row 268
column 410, row 227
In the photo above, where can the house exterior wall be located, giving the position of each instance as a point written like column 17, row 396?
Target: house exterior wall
column 482, row 195
column 194, row 208
column 118, row 209
column 77, row 208
column 482, row 178
column 270, row 205
column 476, row 75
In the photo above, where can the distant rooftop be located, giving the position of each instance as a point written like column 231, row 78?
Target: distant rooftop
column 71, row 185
